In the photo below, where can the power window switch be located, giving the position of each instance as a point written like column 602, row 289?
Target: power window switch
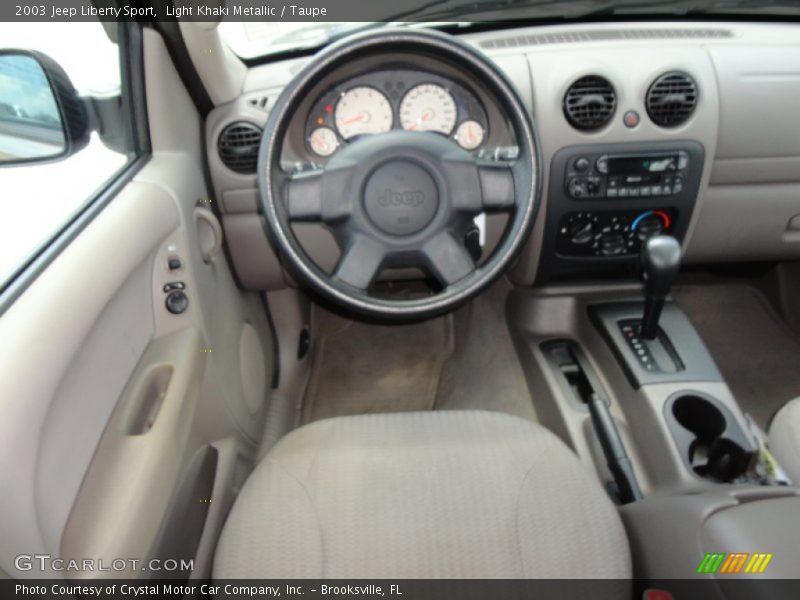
column 174, row 263
column 174, row 285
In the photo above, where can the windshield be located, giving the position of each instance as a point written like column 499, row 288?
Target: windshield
column 252, row 39
column 255, row 39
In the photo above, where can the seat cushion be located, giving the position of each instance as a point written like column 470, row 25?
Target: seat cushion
column 422, row 495
column 784, row 439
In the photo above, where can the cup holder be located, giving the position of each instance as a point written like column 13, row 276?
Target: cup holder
column 699, row 416
column 709, row 439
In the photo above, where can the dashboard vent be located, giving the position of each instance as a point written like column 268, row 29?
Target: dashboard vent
column 238, row 147
column 569, row 37
column 671, row 99
column 590, row 102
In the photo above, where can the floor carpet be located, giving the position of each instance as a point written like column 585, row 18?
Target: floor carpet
column 757, row 352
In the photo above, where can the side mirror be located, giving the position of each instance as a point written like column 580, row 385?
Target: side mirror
column 42, row 118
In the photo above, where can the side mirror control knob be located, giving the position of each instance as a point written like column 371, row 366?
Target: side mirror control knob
column 176, row 302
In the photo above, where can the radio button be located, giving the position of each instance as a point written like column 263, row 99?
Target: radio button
column 612, row 192
column 581, row 164
column 602, row 165
column 593, row 186
column 644, row 190
column 655, row 190
column 633, row 192
column 577, row 187
column 683, row 159
column 623, row 192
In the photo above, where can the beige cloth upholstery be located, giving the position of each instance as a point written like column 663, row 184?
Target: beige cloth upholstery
column 784, row 439
column 422, row 495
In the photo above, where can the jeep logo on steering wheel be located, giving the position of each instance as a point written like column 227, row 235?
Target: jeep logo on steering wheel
column 410, row 198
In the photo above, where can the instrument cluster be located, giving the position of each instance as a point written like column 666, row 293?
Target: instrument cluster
column 394, row 99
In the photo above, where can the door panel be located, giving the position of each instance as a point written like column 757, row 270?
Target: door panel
column 139, row 461
column 85, row 400
column 117, row 412
column 63, row 365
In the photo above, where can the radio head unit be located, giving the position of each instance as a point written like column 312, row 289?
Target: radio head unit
column 626, row 175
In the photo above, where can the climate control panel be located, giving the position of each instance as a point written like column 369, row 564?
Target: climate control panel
column 610, row 233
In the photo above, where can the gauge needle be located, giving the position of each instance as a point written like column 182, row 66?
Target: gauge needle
column 426, row 116
column 359, row 117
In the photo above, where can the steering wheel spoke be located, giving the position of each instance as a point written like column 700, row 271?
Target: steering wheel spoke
column 479, row 185
column 447, row 258
column 496, row 186
column 360, row 263
column 303, row 196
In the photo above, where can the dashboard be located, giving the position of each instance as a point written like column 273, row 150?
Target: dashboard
column 736, row 201
column 394, row 98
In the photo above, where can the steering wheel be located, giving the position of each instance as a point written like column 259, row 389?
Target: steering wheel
column 401, row 198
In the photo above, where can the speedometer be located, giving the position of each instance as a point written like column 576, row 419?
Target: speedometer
column 428, row 107
column 362, row 110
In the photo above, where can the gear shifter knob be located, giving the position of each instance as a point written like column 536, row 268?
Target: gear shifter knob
column 661, row 262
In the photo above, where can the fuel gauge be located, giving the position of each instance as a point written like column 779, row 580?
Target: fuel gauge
column 323, row 141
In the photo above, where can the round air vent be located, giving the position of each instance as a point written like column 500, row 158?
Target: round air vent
column 590, row 102
column 671, row 99
column 238, row 147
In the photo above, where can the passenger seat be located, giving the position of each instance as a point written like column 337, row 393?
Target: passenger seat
column 784, row 439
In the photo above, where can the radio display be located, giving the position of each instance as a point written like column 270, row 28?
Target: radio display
column 642, row 165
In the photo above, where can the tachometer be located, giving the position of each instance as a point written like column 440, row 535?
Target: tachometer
column 428, row 107
column 362, row 110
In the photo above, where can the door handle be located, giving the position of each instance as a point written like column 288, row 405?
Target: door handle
column 209, row 233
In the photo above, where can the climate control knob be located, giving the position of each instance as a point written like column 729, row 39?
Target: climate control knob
column 581, row 231
column 650, row 223
column 612, row 244
column 649, row 226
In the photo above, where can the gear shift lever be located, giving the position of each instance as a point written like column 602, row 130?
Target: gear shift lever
column 661, row 261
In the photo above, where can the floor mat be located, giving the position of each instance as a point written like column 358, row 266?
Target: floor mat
column 363, row 368
column 484, row 372
column 757, row 352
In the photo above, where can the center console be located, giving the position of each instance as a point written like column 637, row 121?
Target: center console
column 605, row 200
column 621, row 374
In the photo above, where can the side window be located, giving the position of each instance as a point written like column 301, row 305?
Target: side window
column 65, row 130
